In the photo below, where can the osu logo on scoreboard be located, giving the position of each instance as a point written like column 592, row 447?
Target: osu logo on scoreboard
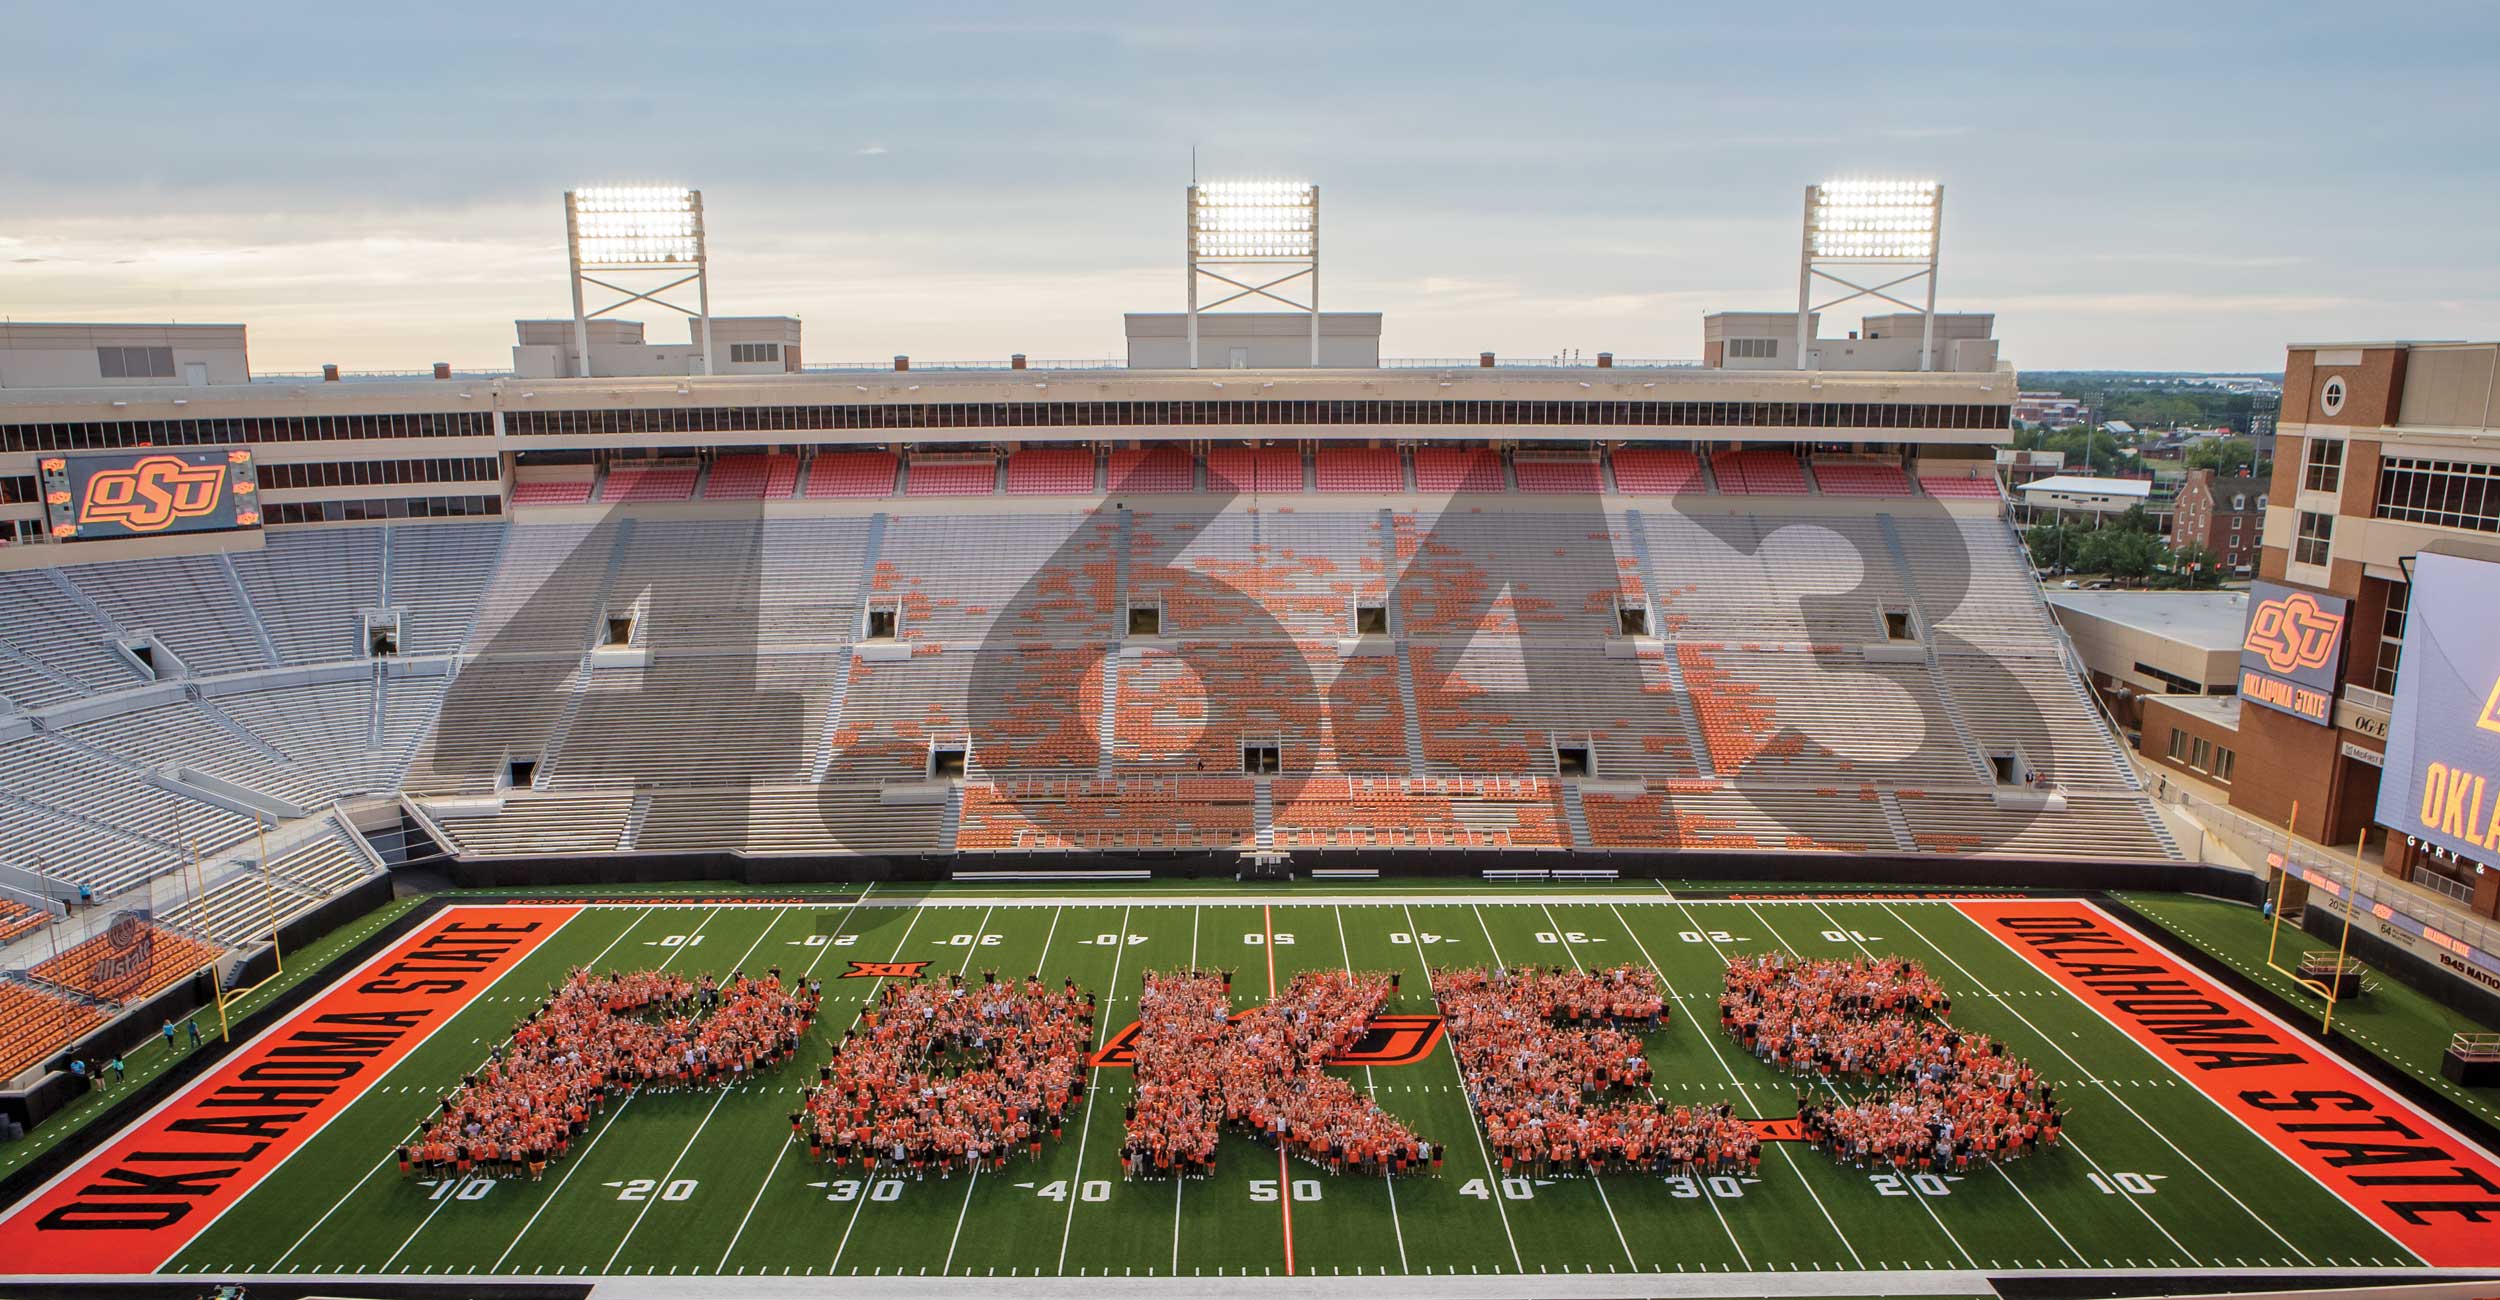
column 2292, row 632
column 154, row 494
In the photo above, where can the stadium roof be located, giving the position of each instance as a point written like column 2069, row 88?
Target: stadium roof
column 2116, row 487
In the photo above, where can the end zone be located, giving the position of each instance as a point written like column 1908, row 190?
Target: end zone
column 138, row 1201
column 2427, row 1187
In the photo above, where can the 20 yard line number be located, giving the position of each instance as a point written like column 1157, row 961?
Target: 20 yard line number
column 640, row 1189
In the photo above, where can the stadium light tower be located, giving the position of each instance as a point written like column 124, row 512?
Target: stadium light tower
column 1871, row 223
column 651, row 232
column 1254, row 229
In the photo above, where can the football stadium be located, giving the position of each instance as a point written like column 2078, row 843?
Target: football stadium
column 1263, row 817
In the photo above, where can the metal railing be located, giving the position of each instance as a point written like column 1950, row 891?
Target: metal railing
column 2440, row 884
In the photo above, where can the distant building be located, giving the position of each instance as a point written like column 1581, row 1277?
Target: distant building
column 2142, row 643
column 2093, row 496
column 2051, row 409
column 2224, row 515
column 38, row 355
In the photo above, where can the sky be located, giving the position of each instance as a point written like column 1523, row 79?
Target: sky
column 2176, row 187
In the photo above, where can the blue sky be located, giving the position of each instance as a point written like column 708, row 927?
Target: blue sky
column 2181, row 186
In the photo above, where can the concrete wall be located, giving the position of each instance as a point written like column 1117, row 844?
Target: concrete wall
column 1348, row 340
column 65, row 356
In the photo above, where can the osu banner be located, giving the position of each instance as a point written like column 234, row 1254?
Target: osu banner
column 2441, row 782
column 149, row 493
column 136, row 1202
column 2436, row 1193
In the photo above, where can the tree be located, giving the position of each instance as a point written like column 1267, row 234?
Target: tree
column 2055, row 547
column 2190, row 567
column 2120, row 552
column 2226, row 457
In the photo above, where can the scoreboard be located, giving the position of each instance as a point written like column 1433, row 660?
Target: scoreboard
column 90, row 498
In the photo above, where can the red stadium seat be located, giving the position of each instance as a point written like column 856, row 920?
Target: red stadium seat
column 1051, row 471
column 851, row 474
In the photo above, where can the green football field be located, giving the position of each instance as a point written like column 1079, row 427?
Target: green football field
column 2152, row 1174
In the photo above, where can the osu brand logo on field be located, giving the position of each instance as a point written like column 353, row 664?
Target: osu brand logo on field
column 154, row 494
column 2292, row 633
column 883, row 970
column 1386, row 1040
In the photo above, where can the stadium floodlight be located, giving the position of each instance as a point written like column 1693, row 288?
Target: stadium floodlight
column 1871, row 222
column 653, row 231
column 1243, row 223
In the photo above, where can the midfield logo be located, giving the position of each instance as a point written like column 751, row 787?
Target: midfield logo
column 1387, row 1040
column 2292, row 633
column 883, row 970
column 152, row 495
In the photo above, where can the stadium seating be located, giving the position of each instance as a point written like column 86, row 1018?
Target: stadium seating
column 1550, row 472
column 126, row 963
column 752, row 477
column 310, row 588
column 1457, row 469
column 1851, row 478
column 851, row 474
column 188, row 604
column 1254, row 469
column 1759, row 472
column 946, row 476
column 642, row 481
column 1051, row 471
column 1981, row 486
column 1357, row 469
column 1661, row 471
column 17, row 920
column 35, row 1022
column 551, row 492
column 1152, row 469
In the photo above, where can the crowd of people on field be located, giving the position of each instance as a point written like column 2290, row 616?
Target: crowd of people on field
column 1546, row 1055
column 1946, row 1098
column 597, row 1036
column 942, row 1076
column 1199, row 1068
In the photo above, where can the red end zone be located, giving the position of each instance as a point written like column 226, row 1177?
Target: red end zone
column 2434, row 1192
column 135, row 1203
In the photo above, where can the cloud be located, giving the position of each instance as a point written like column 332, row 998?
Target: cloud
column 872, row 151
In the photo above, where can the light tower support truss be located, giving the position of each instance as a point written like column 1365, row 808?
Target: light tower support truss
column 1264, row 235
column 1886, row 225
column 649, row 237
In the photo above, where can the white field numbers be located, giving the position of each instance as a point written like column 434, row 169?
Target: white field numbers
column 1256, row 939
column 973, row 940
column 1304, row 1189
column 1849, row 936
column 1704, row 936
column 640, row 1189
column 1513, row 1189
column 679, row 941
column 1403, row 939
column 1725, row 1187
column 828, row 941
column 2126, row 1184
column 459, row 1189
column 1092, row 1189
column 1914, row 1184
column 848, row 1189
column 1571, row 937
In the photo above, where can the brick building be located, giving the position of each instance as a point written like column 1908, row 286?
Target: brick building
column 2224, row 515
column 2382, row 449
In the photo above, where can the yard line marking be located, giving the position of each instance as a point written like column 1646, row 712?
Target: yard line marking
column 975, row 1180
column 1773, row 930
column 1102, row 1024
column 2045, row 1220
column 1179, row 1183
column 1596, row 1180
column 378, row 1165
column 649, row 1201
column 856, row 1017
column 1386, row 1178
column 666, row 1178
column 574, row 1166
column 2197, row 1165
column 1492, row 1179
column 1712, row 1042
column 778, row 1156
column 1284, row 1176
